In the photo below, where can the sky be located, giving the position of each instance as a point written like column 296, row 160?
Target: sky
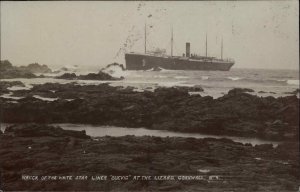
column 92, row 34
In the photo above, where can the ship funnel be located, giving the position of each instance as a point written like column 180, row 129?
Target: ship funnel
column 187, row 49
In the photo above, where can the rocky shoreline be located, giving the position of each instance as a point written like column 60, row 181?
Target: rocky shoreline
column 236, row 113
column 8, row 71
column 40, row 150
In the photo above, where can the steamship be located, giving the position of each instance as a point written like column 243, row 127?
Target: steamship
column 157, row 60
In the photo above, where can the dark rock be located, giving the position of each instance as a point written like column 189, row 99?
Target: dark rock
column 11, row 74
column 68, row 76
column 91, row 76
column 36, row 68
column 8, row 71
column 54, row 152
column 5, row 65
column 239, row 90
column 286, row 150
column 195, row 88
column 297, row 91
column 236, row 113
column 6, row 84
column 35, row 130
column 156, row 68
column 97, row 76
column 264, row 147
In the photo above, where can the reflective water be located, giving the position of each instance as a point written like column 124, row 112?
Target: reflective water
column 99, row 131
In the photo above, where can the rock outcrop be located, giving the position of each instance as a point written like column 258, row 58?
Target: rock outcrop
column 41, row 150
column 236, row 113
column 6, row 84
column 91, row 76
column 68, row 76
column 36, row 68
column 8, row 71
column 35, row 130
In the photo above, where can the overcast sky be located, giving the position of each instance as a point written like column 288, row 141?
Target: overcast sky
column 93, row 34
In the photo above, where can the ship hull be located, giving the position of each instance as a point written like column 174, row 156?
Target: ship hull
column 146, row 62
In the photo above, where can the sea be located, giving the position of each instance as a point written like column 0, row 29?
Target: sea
column 263, row 82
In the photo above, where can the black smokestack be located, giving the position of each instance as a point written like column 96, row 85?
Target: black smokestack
column 187, row 49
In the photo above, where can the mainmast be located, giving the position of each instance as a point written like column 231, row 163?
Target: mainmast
column 222, row 48
column 145, row 38
column 206, row 46
column 172, row 43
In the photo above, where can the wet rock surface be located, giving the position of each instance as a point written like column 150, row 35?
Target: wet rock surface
column 295, row 92
column 42, row 150
column 91, row 76
column 6, row 84
column 240, row 90
column 35, row 130
column 236, row 113
column 68, row 76
column 195, row 88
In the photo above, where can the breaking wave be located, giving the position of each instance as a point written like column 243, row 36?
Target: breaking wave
column 234, row 78
column 171, row 84
column 293, row 82
column 115, row 70
column 264, row 81
column 257, row 81
column 44, row 98
column 160, row 76
column 181, row 77
column 152, row 69
column 158, row 69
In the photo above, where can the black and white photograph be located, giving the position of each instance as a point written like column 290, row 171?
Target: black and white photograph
column 149, row 96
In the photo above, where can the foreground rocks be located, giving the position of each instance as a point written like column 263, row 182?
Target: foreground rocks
column 236, row 113
column 34, row 130
column 4, row 85
column 41, row 150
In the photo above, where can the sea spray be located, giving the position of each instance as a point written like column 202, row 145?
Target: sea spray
column 115, row 70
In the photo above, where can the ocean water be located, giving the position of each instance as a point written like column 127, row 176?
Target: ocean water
column 276, row 83
column 217, row 83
